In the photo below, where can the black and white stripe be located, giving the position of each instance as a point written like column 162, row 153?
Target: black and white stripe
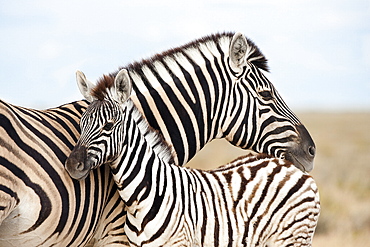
column 40, row 205
column 253, row 201
column 191, row 94
column 213, row 88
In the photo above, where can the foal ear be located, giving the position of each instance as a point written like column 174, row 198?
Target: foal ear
column 84, row 85
column 238, row 50
column 123, row 86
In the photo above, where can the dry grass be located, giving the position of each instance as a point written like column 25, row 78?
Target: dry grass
column 342, row 172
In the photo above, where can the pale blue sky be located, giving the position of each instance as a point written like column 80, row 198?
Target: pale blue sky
column 318, row 50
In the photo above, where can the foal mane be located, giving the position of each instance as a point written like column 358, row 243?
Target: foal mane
column 102, row 87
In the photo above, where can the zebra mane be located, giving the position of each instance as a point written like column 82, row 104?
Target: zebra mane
column 255, row 55
column 104, row 84
column 153, row 137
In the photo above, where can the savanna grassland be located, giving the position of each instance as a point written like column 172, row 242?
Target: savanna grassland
column 342, row 172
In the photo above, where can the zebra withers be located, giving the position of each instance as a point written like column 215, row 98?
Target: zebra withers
column 253, row 201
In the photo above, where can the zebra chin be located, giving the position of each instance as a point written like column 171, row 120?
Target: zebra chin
column 78, row 164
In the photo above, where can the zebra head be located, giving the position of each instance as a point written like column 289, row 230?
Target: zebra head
column 257, row 117
column 100, row 141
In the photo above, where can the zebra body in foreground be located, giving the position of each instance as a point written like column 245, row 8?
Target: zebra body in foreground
column 253, row 201
column 210, row 88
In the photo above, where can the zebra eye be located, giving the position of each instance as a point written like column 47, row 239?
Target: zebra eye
column 266, row 95
column 108, row 126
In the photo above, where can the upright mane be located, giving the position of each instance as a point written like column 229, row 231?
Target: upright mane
column 255, row 55
column 153, row 137
column 102, row 87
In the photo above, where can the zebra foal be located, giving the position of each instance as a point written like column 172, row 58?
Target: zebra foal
column 253, row 201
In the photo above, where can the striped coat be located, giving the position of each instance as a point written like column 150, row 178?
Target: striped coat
column 253, row 201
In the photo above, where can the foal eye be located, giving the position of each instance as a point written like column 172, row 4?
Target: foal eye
column 266, row 95
column 108, row 126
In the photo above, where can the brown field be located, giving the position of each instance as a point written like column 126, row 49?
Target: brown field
column 342, row 172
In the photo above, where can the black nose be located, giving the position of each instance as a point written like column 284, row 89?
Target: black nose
column 80, row 166
column 307, row 143
column 312, row 151
column 76, row 164
column 303, row 153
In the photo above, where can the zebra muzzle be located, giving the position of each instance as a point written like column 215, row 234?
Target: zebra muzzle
column 78, row 165
column 303, row 154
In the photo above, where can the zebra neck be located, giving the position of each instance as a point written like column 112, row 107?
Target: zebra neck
column 143, row 150
column 143, row 131
column 178, row 86
column 171, row 68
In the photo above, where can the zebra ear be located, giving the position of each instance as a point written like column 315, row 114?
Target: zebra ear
column 123, row 86
column 84, row 85
column 238, row 50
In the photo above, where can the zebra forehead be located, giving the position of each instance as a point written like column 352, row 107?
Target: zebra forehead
column 103, row 109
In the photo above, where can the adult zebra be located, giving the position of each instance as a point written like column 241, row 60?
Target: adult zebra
column 191, row 94
column 213, row 88
column 258, row 201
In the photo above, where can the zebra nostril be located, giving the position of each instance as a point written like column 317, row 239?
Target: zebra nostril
column 312, row 150
column 80, row 166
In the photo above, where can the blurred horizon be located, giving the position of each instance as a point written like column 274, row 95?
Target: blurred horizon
column 318, row 51
column 341, row 172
